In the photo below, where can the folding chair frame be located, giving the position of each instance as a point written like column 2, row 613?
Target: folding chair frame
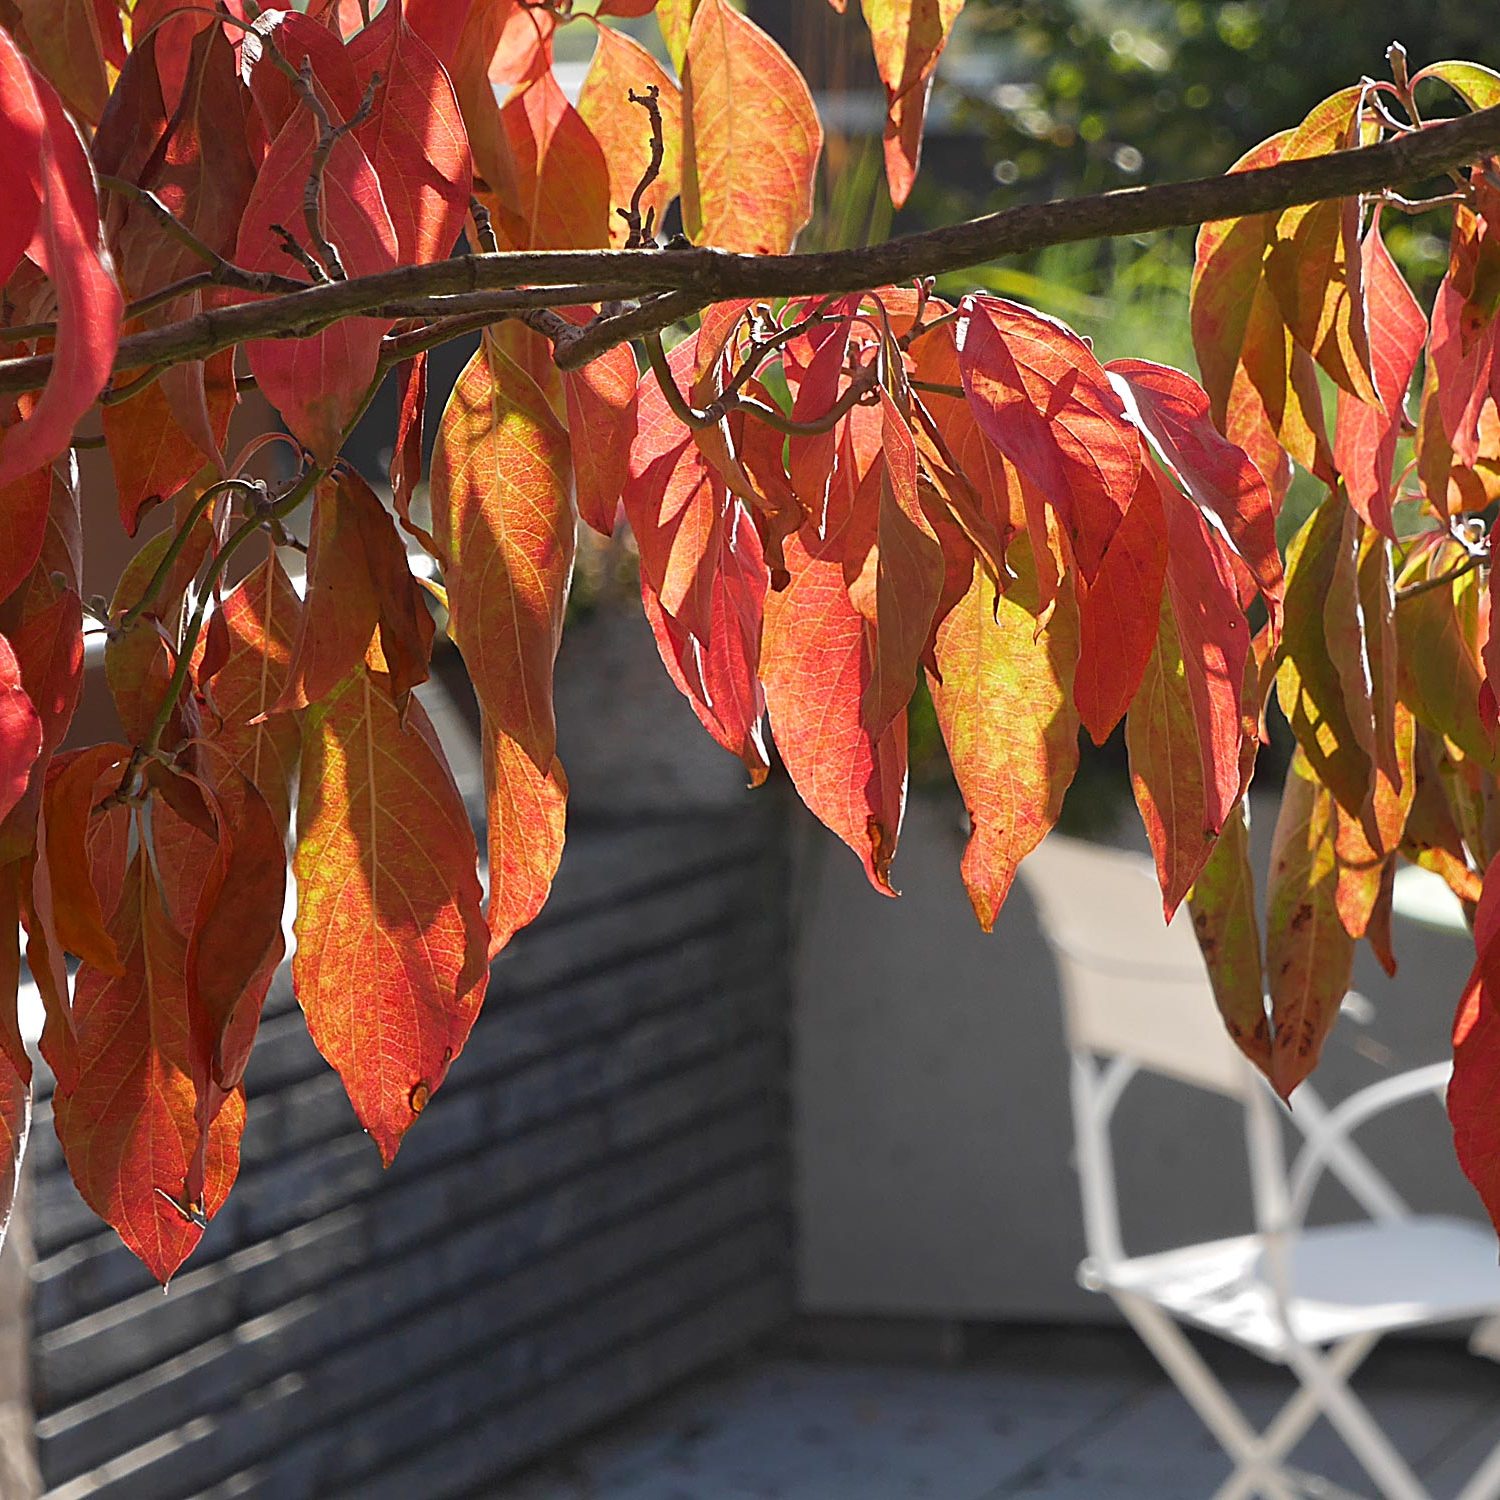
column 1280, row 1200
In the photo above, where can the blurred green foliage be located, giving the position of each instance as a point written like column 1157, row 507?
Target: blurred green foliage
column 1080, row 95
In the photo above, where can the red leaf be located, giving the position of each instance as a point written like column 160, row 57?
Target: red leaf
column 1118, row 613
column 1172, row 409
column 1004, row 705
column 299, row 40
column 23, row 525
column 67, row 246
column 1046, row 403
column 751, row 137
column 1476, row 1055
column 602, row 420
column 816, row 665
column 719, row 674
column 1186, row 728
column 20, row 732
column 318, row 383
column 129, row 1126
column 1364, row 439
column 390, row 961
column 560, row 196
column 48, row 647
column 414, row 137
column 15, row 1065
column 406, row 452
column 22, row 128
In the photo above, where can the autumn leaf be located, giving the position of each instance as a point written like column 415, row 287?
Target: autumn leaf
column 1222, row 903
column 602, row 403
column 909, row 37
column 128, row 1126
column 318, row 383
column 1119, row 612
column 60, row 198
column 1309, row 956
column 414, row 137
column 1173, row 410
column 504, row 528
column 1005, row 707
column 390, row 960
column 525, row 817
column 20, row 731
column 1047, row 404
column 1476, row 1055
column 558, row 198
column 621, row 66
column 1324, row 682
column 1365, row 436
column 817, row 659
column 751, row 136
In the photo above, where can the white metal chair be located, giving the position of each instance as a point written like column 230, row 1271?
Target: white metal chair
column 1316, row 1299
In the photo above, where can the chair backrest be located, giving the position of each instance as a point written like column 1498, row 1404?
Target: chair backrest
column 1133, row 985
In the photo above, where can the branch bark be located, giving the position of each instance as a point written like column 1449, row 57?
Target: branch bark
column 697, row 277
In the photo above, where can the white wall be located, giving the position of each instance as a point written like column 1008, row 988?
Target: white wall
column 932, row 1133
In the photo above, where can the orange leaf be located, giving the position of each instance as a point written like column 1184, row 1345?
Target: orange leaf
column 559, row 199
column 358, row 579
column 1004, row 703
column 129, row 1126
column 623, row 128
column 526, row 813
column 601, row 401
column 504, row 528
column 390, row 960
column 751, row 136
column 261, row 619
column 909, row 37
column 816, row 665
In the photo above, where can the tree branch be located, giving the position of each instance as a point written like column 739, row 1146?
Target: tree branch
column 697, row 277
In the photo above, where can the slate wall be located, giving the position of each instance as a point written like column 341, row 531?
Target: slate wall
column 595, row 1204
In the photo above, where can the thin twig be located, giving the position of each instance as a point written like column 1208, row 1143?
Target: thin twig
column 643, row 230
column 1427, row 585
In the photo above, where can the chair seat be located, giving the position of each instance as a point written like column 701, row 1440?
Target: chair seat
column 1345, row 1279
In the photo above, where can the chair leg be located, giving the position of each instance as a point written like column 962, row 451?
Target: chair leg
column 1362, row 1434
column 1485, row 1482
column 1298, row 1415
column 1206, row 1396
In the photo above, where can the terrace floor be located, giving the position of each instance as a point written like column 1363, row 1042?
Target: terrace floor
column 1065, row 1414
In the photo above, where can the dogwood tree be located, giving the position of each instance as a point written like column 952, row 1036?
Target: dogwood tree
column 837, row 483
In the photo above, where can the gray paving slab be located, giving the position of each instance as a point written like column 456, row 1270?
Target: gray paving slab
column 1053, row 1415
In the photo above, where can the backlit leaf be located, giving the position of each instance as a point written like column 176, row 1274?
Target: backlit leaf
column 390, row 961
column 816, row 666
column 1046, row 403
column 751, row 136
column 1005, row 706
column 1309, row 956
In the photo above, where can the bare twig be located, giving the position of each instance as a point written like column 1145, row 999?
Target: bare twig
column 329, row 136
column 643, row 230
